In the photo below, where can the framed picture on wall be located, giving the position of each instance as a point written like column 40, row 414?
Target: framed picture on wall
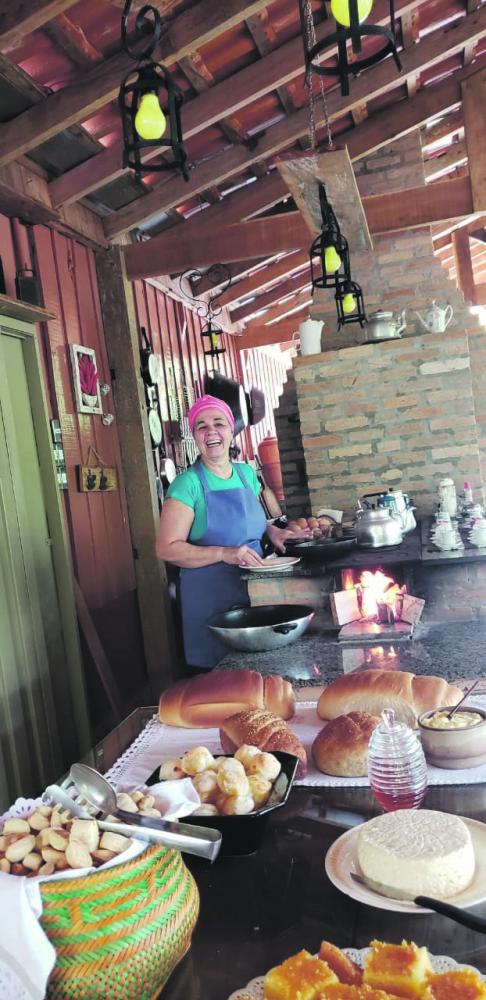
column 85, row 379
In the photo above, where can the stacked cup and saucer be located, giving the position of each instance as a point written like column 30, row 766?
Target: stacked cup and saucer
column 445, row 534
column 477, row 533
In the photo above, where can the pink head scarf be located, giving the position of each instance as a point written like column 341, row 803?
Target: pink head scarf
column 210, row 403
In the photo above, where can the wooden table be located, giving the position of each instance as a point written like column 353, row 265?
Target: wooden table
column 258, row 910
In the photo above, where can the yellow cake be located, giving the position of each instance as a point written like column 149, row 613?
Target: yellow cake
column 460, row 984
column 402, row 969
column 301, row 977
column 343, row 992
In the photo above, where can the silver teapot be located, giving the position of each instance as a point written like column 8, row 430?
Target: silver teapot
column 399, row 502
column 378, row 527
column 381, row 325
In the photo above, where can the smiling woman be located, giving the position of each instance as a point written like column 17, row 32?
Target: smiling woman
column 212, row 522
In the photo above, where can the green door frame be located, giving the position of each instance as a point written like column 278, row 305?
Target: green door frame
column 61, row 555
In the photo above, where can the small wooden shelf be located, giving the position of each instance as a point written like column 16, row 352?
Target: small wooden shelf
column 17, row 309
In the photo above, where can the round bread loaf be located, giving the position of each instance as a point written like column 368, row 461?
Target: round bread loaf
column 341, row 748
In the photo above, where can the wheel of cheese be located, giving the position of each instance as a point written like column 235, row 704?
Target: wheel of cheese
column 425, row 852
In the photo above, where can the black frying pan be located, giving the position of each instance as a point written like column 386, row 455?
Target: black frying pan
column 320, row 549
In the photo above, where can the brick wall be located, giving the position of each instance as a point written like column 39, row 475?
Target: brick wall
column 294, row 475
column 400, row 413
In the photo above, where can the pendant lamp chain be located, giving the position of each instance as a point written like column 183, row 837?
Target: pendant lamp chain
column 309, row 78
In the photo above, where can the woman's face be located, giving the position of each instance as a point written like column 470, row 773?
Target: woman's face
column 213, row 435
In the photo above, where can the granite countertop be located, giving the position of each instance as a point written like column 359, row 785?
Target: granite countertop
column 454, row 651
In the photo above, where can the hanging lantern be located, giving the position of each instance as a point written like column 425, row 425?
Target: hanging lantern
column 329, row 253
column 349, row 16
column 219, row 276
column 349, row 303
column 150, row 102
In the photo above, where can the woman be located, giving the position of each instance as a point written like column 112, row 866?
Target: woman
column 212, row 522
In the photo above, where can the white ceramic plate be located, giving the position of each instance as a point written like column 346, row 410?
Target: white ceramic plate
column 273, row 564
column 440, row 963
column 342, row 858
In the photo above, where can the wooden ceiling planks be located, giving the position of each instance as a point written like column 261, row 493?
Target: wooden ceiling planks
column 19, row 19
column 474, row 104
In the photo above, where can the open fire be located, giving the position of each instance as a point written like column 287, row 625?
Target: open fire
column 373, row 606
column 379, row 597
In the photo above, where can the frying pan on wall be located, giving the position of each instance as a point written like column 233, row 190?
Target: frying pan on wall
column 247, row 407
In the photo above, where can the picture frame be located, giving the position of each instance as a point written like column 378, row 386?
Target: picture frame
column 86, row 381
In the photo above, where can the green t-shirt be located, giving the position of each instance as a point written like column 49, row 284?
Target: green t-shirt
column 188, row 490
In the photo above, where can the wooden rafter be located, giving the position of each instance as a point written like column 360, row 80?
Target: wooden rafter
column 463, row 265
column 453, row 155
column 18, row 19
column 377, row 81
column 72, row 40
column 474, row 103
column 265, row 276
column 262, row 336
column 448, row 126
column 265, row 299
column 193, row 28
column 248, row 85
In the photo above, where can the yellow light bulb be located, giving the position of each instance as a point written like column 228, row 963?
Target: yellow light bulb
column 332, row 260
column 150, row 121
column 349, row 303
column 340, row 11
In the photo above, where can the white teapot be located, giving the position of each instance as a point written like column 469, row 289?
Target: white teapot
column 310, row 331
column 436, row 319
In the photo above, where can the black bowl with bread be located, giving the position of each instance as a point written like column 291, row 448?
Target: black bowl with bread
column 244, row 834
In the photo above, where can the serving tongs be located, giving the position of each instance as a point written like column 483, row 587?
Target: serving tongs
column 203, row 842
column 445, row 909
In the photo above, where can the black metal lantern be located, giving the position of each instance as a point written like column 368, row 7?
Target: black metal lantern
column 219, row 276
column 150, row 102
column 349, row 303
column 329, row 252
column 349, row 16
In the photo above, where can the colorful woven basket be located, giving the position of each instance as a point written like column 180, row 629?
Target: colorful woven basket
column 119, row 933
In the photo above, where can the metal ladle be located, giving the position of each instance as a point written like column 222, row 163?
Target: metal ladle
column 199, row 840
column 461, row 702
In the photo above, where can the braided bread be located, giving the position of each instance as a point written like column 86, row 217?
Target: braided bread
column 264, row 730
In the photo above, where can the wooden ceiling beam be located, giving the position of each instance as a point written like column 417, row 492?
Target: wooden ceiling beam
column 281, row 312
column 463, row 265
column 474, row 103
column 72, row 40
column 407, row 209
column 454, row 154
column 220, row 101
column 262, row 301
column 19, row 19
column 265, row 276
column 192, row 29
column 443, row 129
column 263, row 336
column 229, row 243
column 371, row 84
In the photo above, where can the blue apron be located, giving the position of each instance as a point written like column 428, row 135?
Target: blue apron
column 233, row 517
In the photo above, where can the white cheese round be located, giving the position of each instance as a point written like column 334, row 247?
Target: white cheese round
column 424, row 852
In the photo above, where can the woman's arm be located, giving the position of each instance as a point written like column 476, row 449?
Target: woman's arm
column 278, row 536
column 172, row 545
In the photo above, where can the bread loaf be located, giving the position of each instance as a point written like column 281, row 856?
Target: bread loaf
column 341, row 748
column 263, row 730
column 373, row 690
column 209, row 699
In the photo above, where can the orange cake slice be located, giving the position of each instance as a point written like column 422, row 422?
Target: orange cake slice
column 301, row 977
column 401, row 969
column 346, row 970
column 459, row 984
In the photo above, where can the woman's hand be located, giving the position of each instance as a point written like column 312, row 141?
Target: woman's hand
column 278, row 536
column 240, row 555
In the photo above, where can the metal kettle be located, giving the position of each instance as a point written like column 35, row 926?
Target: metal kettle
column 381, row 325
column 378, row 527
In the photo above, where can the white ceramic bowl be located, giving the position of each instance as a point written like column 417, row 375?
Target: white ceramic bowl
column 454, row 748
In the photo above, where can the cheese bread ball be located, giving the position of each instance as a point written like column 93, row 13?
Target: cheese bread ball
column 265, row 765
column 206, row 809
column 171, row 769
column 197, row 759
column 232, row 779
column 237, row 805
column 206, row 785
column 260, row 789
column 245, row 753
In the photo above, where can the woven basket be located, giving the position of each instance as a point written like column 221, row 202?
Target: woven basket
column 119, row 933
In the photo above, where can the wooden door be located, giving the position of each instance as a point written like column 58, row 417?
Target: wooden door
column 37, row 723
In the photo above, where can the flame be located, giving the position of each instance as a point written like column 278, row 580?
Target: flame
column 375, row 588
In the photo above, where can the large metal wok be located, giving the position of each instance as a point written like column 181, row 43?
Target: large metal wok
column 262, row 628
column 321, row 550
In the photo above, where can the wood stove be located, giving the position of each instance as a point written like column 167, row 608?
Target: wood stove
column 374, row 607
